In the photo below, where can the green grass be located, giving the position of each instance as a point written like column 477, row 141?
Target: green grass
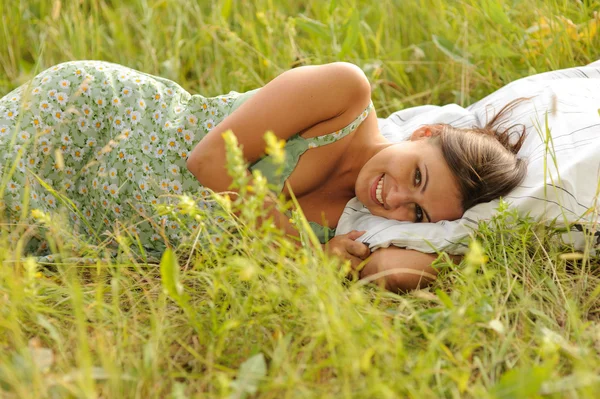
column 256, row 317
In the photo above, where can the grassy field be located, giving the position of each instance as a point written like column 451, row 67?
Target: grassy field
column 256, row 317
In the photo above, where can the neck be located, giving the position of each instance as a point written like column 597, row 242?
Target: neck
column 365, row 144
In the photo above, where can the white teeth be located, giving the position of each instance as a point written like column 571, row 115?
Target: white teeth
column 379, row 190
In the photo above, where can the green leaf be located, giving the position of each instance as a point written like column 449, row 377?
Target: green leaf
column 251, row 372
column 312, row 26
column 446, row 47
column 444, row 298
column 352, row 31
column 522, row 382
column 226, row 9
column 169, row 273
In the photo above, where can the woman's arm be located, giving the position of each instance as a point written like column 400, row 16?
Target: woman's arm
column 295, row 101
column 401, row 269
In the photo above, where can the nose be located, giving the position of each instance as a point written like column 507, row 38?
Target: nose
column 401, row 201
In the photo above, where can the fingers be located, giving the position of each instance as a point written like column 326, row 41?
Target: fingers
column 354, row 234
column 358, row 249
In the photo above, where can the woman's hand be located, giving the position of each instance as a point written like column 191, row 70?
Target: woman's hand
column 345, row 247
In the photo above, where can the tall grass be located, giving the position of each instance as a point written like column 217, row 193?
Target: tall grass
column 256, row 317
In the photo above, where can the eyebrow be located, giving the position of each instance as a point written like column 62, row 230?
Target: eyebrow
column 423, row 190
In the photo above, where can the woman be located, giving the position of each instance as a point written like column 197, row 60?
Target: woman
column 127, row 138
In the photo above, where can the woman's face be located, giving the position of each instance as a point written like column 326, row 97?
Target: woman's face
column 409, row 181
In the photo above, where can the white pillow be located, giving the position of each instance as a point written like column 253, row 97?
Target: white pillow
column 563, row 192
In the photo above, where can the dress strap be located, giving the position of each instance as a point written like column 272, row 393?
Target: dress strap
column 319, row 141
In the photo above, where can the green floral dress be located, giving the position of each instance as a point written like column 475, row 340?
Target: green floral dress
column 115, row 142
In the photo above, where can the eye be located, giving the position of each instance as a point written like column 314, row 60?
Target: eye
column 418, row 214
column 417, row 177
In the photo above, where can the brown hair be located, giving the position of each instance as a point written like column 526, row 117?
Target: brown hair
column 483, row 159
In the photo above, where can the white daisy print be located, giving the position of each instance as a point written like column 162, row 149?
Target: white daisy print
column 83, row 190
column 116, row 101
column 87, row 111
column 143, row 185
column 126, row 91
column 52, row 93
column 188, row 136
column 91, row 142
column 128, row 111
column 172, row 144
column 11, row 114
column 183, row 154
column 78, row 72
column 213, row 112
column 88, row 212
column 117, row 209
column 102, row 170
column 100, row 102
column 24, row 135
column 167, row 125
column 157, row 97
column 155, row 238
column 146, row 147
column 157, row 116
column 112, row 173
column 125, row 133
column 141, row 103
column 45, row 106
column 67, row 184
column 164, row 184
column 169, row 92
column 69, row 171
column 45, row 150
column 118, row 123
column 178, row 109
column 36, row 121
column 209, row 124
column 95, row 183
column 36, row 91
column 153, row 138
column 131, row 160
column 174, row 169
column 113, row 190
column 192, row 119
column 122, row 155
column 163, row 106
column 83, row 124
column 147, row 168
column 97, row 124
column 58, row 115
column 3, row 130
column 50, row 200
column 85, row 89
column 138, row 196
column 66, row 139
column 160, row 152
column 176, row 186
column 32, row 161
column 65, row 84
column 135, row 117
column 130, row 173
column 77, row 153
column 13, row 186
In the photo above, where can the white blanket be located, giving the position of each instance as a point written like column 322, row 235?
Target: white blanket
column 562, row 149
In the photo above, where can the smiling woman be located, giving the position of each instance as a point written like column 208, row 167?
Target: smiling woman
column 116, row 141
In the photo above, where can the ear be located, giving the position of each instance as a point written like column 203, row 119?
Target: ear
column 421, row 133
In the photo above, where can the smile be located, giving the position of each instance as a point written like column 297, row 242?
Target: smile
column 377, row 191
